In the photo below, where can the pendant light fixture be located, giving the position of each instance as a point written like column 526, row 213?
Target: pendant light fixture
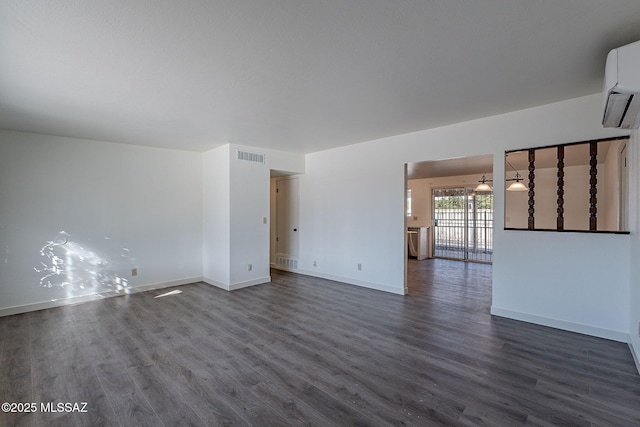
column 517, row 185
column 483, row 187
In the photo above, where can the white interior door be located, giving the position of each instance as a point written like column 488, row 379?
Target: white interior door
column 287, row 218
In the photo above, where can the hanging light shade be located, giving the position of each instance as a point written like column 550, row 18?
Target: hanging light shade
column 517, row 185
column 483, row 186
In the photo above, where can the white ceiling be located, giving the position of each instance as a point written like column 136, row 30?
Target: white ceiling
column 478, row 165
column 292, row 75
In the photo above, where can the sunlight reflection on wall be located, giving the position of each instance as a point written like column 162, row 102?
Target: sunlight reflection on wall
column 80, row 270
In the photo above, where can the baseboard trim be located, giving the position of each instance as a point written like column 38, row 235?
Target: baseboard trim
column 561, row 324
column 349, row 281
column 92, row 297
column 236, row 286
column 279, row 267
column 215, row 283
column 248, row 283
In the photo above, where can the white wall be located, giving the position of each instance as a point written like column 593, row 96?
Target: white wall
column 352, row 208
column 122, row 206
column 577, row 282
column 216, row 216
column 352, row 201
column 237, row 214
column 249, row 221
column 176, row 216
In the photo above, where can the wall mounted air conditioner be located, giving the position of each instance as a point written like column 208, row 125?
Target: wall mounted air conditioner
column 622, row 88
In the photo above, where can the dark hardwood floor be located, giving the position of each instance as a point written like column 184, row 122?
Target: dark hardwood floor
column 308, row 351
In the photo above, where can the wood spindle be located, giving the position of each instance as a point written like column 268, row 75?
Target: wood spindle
column 560, row 220
column 532, row 174
column 593, row 190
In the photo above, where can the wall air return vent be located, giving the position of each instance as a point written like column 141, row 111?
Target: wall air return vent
column 286, row 263
column 247, row 156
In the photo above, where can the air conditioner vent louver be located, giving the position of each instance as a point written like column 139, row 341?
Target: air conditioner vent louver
column 622, row 88
column 622, row 111
column 248, row 156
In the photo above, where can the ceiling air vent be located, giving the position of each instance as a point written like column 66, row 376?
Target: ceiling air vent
column 250, row 157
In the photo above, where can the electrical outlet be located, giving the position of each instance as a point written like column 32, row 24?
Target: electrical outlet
column 359, row 266
column 264, row 219
column 249, row 267
column 134, row 272
column 315, row 264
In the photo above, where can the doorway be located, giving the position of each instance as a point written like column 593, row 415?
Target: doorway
column 458, row 220
column 285, row 242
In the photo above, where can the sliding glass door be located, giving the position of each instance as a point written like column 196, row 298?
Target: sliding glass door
column 463, row 224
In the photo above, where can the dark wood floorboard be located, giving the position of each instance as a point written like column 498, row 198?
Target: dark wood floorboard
column 311, row 352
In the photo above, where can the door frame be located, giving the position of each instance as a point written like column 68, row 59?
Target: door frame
column 282, row 261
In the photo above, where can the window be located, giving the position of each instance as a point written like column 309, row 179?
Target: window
column 569, row 187
column 408, row 202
